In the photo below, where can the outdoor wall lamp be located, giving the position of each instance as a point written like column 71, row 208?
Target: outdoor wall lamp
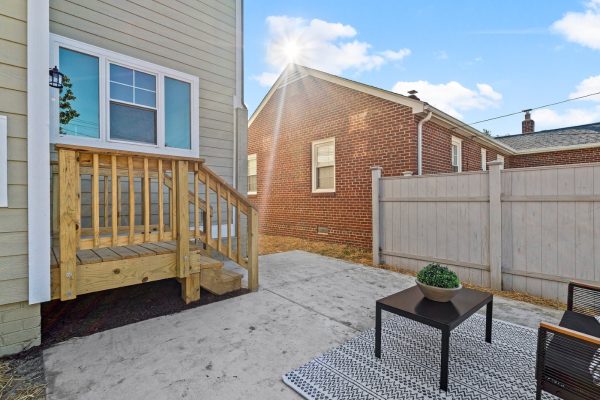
column 56, row 78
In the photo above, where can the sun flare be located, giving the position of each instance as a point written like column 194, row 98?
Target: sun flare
column 291, row 51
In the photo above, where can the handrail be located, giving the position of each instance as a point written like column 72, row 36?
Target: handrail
column 139, row 172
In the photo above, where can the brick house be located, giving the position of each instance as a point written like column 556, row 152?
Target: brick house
column 315, row 136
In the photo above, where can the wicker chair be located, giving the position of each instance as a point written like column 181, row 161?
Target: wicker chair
column 568, row 355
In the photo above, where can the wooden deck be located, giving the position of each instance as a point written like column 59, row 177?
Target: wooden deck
column 112, row 267
column 152, row 223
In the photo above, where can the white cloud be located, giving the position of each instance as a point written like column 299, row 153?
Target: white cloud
column 452, row 97
column 396, row 55
column 588, row 86
column 266, row 78
column 319, row 44
column 581, row 27
column 548, row 119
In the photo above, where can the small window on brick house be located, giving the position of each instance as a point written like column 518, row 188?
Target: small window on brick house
column 483, row 159
column 456, row 154
column 323, row 165
column 252, row 183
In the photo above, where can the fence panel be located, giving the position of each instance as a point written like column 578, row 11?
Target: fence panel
column 548, row 225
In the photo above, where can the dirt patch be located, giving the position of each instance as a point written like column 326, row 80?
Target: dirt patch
column 269, row 244
column 22, row 376
column 97, row 312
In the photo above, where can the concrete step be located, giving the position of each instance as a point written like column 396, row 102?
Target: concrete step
column 220, row 281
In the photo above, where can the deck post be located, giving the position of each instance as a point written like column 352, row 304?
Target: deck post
column 69, row 188
column 252, row 249
column 183, row 222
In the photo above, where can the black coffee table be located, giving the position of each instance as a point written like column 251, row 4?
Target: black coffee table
column 411, row 303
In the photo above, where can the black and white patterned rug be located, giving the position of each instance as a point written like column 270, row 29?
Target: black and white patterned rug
column 410, row 364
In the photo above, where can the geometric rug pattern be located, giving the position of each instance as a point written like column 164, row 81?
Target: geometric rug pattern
column 410, row 364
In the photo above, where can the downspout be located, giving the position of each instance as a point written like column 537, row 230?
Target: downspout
column 420, row 142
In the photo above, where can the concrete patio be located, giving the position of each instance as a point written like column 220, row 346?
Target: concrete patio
column 239, row 348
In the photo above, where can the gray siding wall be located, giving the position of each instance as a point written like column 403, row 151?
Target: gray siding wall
column 13, row 104
column 193, row 36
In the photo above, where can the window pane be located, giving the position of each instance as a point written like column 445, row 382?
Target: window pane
column 145, row 98
column 145, row 81
column 121, row 92
column 132, row 123
column 325, row 177
column 121, row 74
column 251, row 166
column 177, row 114
column 79, row 104
column 325, row 154
column 252, row 183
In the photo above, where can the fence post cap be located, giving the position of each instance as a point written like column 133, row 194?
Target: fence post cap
column 374, row 168
column 495, row 162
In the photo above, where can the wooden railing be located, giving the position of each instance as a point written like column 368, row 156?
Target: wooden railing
column 105, row 198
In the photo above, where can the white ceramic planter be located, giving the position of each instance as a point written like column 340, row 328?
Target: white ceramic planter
column 440, row 295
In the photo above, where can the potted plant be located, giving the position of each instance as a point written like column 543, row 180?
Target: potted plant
column 438, row 283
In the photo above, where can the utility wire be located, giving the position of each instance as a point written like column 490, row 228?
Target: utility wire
column 530, row 109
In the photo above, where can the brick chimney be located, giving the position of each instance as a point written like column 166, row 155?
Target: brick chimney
column 528, row 125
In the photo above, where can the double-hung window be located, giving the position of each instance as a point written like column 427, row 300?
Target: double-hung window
column 252, row 182
column 114, row 101
column 323, row 165
column 456, row 154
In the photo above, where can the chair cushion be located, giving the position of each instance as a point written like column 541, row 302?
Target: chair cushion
column 580, row 323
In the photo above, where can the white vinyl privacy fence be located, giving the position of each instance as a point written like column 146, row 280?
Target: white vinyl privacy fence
column 529, row 230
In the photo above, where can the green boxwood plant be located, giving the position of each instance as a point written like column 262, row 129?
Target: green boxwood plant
column 439, row 276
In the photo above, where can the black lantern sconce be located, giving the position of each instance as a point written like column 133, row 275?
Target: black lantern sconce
column 56, row 78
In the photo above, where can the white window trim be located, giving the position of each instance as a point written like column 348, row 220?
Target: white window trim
column 106, row 57
column 314, row 165
column 3, row 162
column 458, row 142
column 483, row 159
column 253, row 157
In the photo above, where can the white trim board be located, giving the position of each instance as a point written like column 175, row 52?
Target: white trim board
column 38, row 150
column 3, row 162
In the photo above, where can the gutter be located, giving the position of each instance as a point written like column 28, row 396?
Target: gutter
column 420, row 142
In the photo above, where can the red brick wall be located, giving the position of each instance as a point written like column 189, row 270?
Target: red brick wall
column 437, row 153
column 369, row 131
column 555, row 158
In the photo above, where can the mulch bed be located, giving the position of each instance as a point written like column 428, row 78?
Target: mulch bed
column 97, row 312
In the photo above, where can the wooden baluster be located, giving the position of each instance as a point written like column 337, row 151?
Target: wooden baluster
column 131, row 200
column 252, row 249
column 105, row 178
column 238, row 231
column 183, row 222
column 218, row 216
column 119, row 200
column 69, row 226
column 146, row 202
column 208, row 222
column 173, row 201
column 161, row 222
column 196, row 203
column 115, row 212
column 95, row 201
column 228, row 224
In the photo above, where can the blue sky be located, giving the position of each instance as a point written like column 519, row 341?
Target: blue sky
column 475, row 59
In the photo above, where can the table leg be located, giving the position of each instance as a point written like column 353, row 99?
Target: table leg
column 378, row 331
column 445, row 357
column 488, row 321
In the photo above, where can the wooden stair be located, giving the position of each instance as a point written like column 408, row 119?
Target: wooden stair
column 112, row 267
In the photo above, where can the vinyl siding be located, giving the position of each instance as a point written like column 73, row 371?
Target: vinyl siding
column 193, row 36
column 13, row 104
